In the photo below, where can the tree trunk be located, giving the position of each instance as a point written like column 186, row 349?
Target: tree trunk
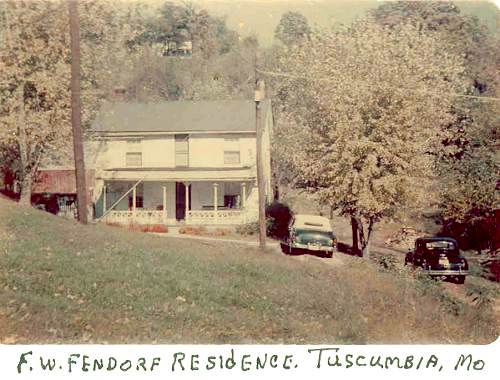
column 366, row 250
column 22, row 141
column 365, row 238
column 26, row 189
column 354, row 227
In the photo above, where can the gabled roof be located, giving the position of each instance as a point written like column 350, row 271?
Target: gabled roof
column 179, row 116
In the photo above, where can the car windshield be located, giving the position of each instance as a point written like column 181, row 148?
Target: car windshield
column 440, row 244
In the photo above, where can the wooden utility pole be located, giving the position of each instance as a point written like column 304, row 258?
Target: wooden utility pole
column 259, row 97
column 81, row 187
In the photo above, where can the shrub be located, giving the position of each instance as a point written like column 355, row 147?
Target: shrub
column 113, row 224
column 191, row 230
column 158, row 228
column 248, row 229
column 220, row 232
column 278, row 216
column 482, row 296
column 387, row 262
column 478, row 234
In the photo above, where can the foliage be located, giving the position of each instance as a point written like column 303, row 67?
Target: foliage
column 387, row 262
column 279, row 216
column 35, row 76
column 481, row 295
column 248, row 229
column 367, row 134
column 485, row 265
column 219, row 66
column 34, row 83
column 293, row 29
column 466, row 163
column 179, row 23
column 461, row 33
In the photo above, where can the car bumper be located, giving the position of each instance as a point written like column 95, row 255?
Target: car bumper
column 312, row 248
column 447, row 272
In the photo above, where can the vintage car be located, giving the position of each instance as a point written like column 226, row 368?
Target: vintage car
column 309, row 234
column 439, row 257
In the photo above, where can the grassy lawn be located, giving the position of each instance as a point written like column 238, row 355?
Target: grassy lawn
column 62, row 282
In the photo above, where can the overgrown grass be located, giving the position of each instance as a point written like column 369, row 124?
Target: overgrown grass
column 62, row 282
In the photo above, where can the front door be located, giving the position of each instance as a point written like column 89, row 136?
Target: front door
column 180, row 201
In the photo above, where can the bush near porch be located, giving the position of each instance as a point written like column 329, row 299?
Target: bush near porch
column 158, row 228
column 204, row 231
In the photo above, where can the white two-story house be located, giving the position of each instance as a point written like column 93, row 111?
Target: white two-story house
column 179, row 162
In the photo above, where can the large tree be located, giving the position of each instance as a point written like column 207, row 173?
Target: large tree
column 293, row 29
column 370, row 100
column 35, row 75
column 34, row 83
column 468, row 170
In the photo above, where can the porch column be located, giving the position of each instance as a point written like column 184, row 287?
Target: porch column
column 215, row 201
column 244, row 201
column 104, row 200
column 216, row 185
column 134, row 200
column 164, row 204
column 243, row 194
column 186, row 185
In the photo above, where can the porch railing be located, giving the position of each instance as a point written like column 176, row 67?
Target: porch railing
column 215, row 217
column 139, row 217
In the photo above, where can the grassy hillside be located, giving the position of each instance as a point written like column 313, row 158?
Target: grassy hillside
column 62, row 282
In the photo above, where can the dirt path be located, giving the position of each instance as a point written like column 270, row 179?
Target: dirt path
column 271, row 245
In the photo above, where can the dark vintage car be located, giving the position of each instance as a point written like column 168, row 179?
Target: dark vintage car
column 439, row 257
column 309, row 234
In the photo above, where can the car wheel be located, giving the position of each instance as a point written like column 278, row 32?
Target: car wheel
column 329, row 254
column 460, row 279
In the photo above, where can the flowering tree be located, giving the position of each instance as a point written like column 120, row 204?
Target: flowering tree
column 371, row 100
column 35, row 74
column 34, row 83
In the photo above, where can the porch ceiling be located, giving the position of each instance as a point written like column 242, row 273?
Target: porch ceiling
column 177, row 174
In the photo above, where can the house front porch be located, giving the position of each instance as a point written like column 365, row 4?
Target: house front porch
column 176, row 203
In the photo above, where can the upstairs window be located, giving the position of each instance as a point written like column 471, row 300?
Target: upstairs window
column 231, row 150
column 182, row 150
column 133, row 159
column 232, row 157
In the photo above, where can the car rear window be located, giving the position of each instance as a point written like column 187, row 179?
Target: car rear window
column 315, row 233
column 442, row 244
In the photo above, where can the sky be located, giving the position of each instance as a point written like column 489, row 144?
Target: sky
column 260, row 17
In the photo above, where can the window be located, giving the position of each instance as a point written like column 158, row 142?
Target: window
column 139, row 201
column 182, row 150
column 133, row 159
column 231, row 157
column 231, row 201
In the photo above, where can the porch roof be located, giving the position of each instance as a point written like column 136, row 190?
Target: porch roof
column 178, row 174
